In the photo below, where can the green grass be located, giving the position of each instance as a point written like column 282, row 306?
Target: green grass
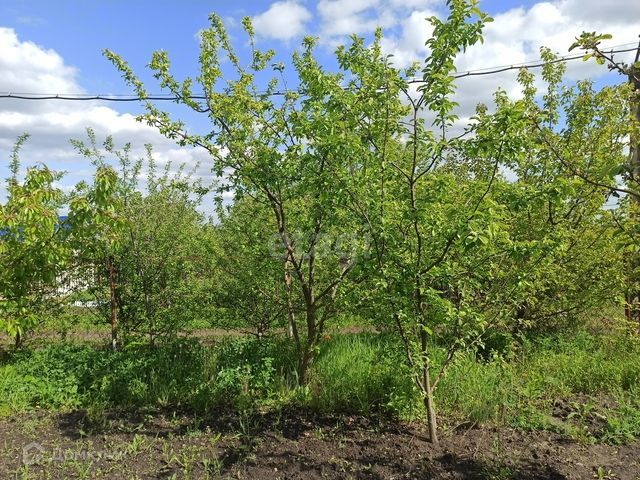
column 522, row 392
column 180, row 374
column 356, row 373
column 363, row 373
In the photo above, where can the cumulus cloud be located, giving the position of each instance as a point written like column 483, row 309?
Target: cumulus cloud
column 409, row 45
column 340, row 18
column 283, row 20
column 28, row 67
column 599, row 13
column 412, row 4
column 515, row 37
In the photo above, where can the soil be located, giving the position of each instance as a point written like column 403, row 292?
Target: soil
column 206, row 336
column 290, row 445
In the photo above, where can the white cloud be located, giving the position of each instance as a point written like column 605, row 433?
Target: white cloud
column 283, row 20
column 26, row 65
column 337, row 8
column 597, row 12
column 30, row 68
column 412, row 4
column 515, row 37
column 409, row 45
column 340, row 18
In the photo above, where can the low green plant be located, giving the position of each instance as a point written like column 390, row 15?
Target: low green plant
column 595, row 378
column 362, row 373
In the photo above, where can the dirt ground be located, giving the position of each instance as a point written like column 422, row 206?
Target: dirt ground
column 292, row 445
column 102, row 336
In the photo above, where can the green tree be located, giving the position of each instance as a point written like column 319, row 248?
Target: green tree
column 37, row 243
column 156, row 245
column 304, row 156
column 436, row 241
column 620, row 176
column 32, row 254
column 249, row 290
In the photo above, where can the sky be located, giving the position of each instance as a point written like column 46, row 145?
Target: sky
column 55, row 47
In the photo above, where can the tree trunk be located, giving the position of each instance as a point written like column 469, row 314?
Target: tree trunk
column 306, row 357
column 149, row 311
column 291, row 316
column 18, row 340
column 304, row 363
column 632, row 307
column 428, row 391
column 114, row 318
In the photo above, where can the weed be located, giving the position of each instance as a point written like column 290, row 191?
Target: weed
column 355, row 373
column 602, row 473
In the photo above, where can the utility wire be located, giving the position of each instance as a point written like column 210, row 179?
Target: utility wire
column 169, row 97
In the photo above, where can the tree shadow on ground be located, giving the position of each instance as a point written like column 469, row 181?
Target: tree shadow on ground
column 300, row 443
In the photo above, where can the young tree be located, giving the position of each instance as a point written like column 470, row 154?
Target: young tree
column 620, row 177
column 151, row 259
column 303, row 154
column 249, row 291
column 32, row 253
column 457, row 249
column 37, row 243
column 462, row 250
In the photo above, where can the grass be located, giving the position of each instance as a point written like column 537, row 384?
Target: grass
column 603, row 371
column 363, row 373
column 596, row 378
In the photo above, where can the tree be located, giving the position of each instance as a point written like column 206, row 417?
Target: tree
column 462, row 250
column 37, row 243
column 304, row 157
column 441, row 245
column 249, row 268
column 426, row 213
column 628, row 171
column 31, row 251
column 156, row 247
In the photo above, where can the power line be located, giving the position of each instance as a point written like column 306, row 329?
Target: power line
column 169, row 97
column 619, row 48
column 538, row 64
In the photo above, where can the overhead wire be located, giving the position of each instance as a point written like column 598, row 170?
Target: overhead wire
column 168, row 97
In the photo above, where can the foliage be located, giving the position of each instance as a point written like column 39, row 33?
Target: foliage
column 36, row 243
column 447, row 250
column 480, row 244
column 159, row 244
column 371, row 379
column 303, row 157
column 252, row 294
column 594, row 376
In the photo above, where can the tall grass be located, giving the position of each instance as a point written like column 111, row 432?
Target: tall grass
column 524, row 390
column 363, row 373
column 356, row 373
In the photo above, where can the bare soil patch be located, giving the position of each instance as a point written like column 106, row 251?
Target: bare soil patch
column 293, row 445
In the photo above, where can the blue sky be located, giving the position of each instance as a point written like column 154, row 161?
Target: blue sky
column 55, row 47
column 78, row 30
